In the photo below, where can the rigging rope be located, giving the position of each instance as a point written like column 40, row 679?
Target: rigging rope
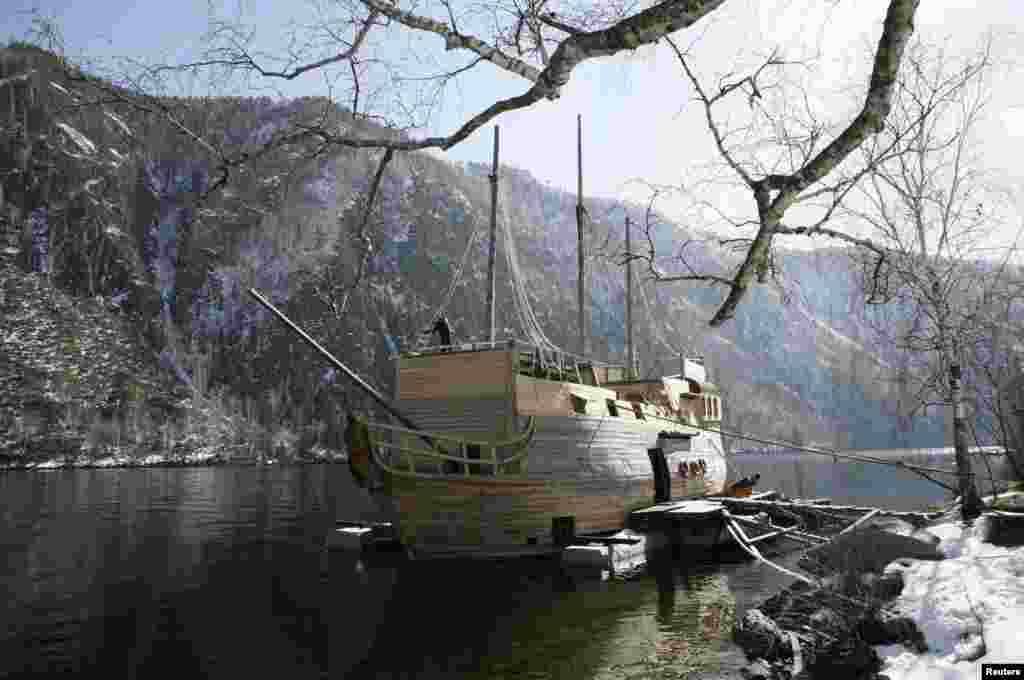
column 452, row 285
column 650, row 316
column 822, row 452
column 527, row 318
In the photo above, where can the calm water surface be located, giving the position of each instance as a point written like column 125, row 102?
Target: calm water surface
column 220, row 572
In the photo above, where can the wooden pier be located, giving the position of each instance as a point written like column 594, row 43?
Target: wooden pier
column 698, row 525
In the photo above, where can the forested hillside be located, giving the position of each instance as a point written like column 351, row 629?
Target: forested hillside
column 105, row 201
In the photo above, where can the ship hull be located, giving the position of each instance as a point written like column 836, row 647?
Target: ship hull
column 595, row 469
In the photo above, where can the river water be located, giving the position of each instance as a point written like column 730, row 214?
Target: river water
column 222, row 572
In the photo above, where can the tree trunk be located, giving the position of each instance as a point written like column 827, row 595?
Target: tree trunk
column 970, row 503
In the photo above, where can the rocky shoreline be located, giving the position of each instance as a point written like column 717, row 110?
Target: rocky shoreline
column 810, row 632
column 181, row 455
column 836, row 628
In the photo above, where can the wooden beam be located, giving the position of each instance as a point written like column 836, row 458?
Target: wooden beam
column 802, row 536
column 832, row 508
column 861, row 521
column 737, row 533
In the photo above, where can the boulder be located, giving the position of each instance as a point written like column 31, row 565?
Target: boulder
column 892, row 631
column 760, row 637
column 758, row 670
column 926, row 536
column 866, row 549
column 1002, row 528
column 887, row 586
column 826, row 619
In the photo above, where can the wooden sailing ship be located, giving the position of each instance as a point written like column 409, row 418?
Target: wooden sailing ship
column 516, row 444
column 511, row 447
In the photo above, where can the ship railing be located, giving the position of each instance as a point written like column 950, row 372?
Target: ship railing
column 459, row 347
column 548, row 355
column 401, row 448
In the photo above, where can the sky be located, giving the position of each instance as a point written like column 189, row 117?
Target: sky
column 640, row 123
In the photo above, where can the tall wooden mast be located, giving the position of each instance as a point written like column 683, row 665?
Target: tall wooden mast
column 582, row 319
column 491, row 247
column 629, row 304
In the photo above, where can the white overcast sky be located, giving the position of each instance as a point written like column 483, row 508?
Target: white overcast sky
column 639, row 120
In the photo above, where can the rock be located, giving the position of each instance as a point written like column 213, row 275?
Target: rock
column 1002, row 528
column 892, row 631
column 926, row 536
column 760, row 637
column 888, row 586
column 758, row 670
column 865, row 549
column 778, row 602
column 971, row 649
column 827, row 619
column 851, row 658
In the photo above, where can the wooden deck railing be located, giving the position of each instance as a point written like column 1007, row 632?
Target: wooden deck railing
column 401, row 447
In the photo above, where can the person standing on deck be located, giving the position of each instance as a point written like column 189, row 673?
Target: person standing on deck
column 443, row 329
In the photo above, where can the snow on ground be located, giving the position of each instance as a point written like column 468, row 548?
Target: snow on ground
column 975, row 595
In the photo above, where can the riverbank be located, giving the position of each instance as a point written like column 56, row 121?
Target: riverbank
column 969, row 606
column 117, row 457
column 897, row 603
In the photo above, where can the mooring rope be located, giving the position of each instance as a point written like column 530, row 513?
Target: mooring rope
column 826, row 452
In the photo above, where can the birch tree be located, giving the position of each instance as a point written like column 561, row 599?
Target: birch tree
column 928, row 201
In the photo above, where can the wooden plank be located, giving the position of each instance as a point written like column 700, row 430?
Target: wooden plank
column 696, row 509
column 861, row 521
column 477, row 418
column 804, row 537
column 455, row 374
column 771, row 534
column 659, row 508
column 833, row 508
column 744, row 542
column 488, row 514
column 540, row 397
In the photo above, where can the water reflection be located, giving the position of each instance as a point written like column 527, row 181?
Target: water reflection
column 222, row 572
column 533, row 620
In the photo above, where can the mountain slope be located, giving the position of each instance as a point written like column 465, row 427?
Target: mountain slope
column 104, row 200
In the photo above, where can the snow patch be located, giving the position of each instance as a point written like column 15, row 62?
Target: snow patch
column 80, row 140
column 976, row 594
column 119, row 123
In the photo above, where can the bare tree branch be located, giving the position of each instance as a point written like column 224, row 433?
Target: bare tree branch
column 242, row 59
column 362, row 239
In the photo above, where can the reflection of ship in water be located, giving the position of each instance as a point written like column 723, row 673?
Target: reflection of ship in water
column 535, row 622
column 685, row 630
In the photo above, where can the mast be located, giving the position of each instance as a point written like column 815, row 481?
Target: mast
column 491, row 248
column 629, row 304
column 582, row 319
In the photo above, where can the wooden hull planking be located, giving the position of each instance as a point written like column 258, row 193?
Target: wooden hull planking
column 588, row 457
column 594, row 468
